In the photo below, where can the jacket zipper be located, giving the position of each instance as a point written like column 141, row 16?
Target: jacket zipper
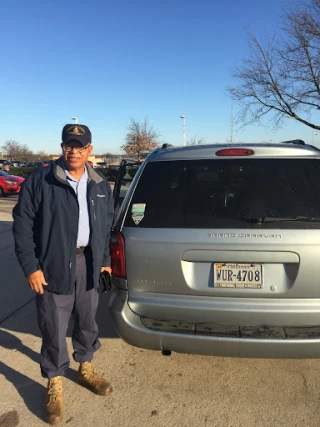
column 70, row 263
column 94, row 213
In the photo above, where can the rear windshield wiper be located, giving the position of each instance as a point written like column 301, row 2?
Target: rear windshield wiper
column 280, row 219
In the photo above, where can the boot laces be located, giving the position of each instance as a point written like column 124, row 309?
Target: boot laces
column 54, row 389
column 89, row 372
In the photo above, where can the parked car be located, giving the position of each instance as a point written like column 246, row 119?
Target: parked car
column 9, row 184
column 215, row 250
column 6, row 165
column 101, row 164
column 13, row 163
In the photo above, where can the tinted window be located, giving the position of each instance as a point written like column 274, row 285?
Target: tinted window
column 226, row 193
column 126, row 179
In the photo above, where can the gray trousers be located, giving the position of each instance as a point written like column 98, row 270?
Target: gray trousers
column 54, row 312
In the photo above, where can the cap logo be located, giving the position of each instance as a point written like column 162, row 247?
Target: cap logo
column 76, row 130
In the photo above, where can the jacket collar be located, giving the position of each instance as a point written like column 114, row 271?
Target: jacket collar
column 59, row 173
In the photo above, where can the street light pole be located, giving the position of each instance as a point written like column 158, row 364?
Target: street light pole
column 184, row 129
column 232, row 120
column 232, row 116
column 75, row 119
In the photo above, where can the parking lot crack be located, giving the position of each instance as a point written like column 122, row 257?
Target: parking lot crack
column 305, row 383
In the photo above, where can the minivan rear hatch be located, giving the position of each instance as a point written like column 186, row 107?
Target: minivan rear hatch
column 225, row 228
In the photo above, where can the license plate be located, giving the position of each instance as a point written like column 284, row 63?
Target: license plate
column 233, row 275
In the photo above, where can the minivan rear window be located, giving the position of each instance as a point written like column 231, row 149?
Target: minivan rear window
column 227, row 193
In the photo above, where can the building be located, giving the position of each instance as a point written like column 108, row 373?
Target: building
column 93, row 159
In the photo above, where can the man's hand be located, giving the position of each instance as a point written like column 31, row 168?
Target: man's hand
column 36, row 281
column 109, row 269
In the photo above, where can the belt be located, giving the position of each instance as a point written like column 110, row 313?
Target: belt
column 81, row 249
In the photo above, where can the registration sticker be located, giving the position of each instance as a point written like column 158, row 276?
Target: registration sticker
column 137, row 212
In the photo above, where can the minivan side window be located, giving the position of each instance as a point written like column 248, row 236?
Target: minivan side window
column 126, row 180
column 226, row 193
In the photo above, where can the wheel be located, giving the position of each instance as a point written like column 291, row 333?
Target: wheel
column 1, row 192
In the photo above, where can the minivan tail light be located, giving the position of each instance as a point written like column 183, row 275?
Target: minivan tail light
column 118, row 262
column 235, row 152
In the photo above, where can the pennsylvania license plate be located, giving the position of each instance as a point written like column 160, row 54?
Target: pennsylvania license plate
column 233, row 275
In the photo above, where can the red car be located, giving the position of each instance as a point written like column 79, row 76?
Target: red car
column 9, row 184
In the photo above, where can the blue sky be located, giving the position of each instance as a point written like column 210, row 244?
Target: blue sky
column 105, row 61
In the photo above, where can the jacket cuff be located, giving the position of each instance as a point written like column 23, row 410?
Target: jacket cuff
column 106, row 262
column 30, row 268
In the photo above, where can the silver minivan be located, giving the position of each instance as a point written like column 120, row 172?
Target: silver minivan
column 216, row 250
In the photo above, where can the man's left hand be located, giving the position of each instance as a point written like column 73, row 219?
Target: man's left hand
column 108, row 269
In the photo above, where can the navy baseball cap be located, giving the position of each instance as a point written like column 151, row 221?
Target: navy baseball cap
column 80, row 133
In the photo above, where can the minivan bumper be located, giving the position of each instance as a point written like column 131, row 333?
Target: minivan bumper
column 131, row 329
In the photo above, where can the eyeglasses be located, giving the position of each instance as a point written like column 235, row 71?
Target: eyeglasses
column 68, row 148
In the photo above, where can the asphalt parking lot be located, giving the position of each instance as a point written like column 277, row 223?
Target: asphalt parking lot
column 149, row 389
column 7, row 203
column 14, row 293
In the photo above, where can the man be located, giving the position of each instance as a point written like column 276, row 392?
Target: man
column 62, row 228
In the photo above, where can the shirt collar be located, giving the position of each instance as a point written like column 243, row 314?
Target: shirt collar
column 71, row 178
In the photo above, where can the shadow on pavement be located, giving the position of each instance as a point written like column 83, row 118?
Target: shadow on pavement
column 11, row 342
column 18, row 314
column 106, row 328
column 25, row 320
column 31, row 392
column 15, row 292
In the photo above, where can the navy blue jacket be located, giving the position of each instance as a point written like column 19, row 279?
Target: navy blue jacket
column 45, row 226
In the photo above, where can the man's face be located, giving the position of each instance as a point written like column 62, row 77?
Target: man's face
column 75, row 155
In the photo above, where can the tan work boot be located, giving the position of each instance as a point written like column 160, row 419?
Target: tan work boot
column 89, row 378
column 54, row 409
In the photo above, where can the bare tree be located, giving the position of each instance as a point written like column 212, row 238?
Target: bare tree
column 12, row 149
column 16, row 151
column 141, row 138
column 281, row 76
column 110, row 156
column 26, row 155
column 42, row 156
column 196, row 141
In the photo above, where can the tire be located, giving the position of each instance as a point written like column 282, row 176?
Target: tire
column 1, row 192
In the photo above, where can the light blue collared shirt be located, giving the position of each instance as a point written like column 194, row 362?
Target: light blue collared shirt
column 80, row 188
